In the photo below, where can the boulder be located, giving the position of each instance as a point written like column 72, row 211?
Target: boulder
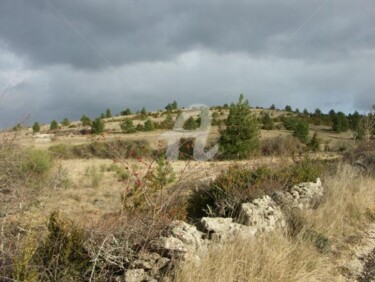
column 181, row 241
column 224, row 229
column 303, row 196
column 263, row 214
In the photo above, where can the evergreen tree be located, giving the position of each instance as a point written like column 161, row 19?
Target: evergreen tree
column 54, row 125
column 162, row 176
column 288, row 108
column 149, row 125
column 301, row 131
column 97, row 126
column 126, row 112
column 314, row 143
column 65, row 122
column 340, row 123
column 306, row 112
column 240, row 138
column 267, row 122
column 108, row 113
column 172, row 106
column 168, row 122
column 36, row 127
column 86, row 121
column 273, row 107
column 127, row 126
column 190, row 124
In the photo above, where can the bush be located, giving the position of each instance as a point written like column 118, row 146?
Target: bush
column 36, row 127
column 35, row 162
column 97, row 126
column 301, row 131
column 127, row 126
column 190, row 124
column 54, row 125
column 149, row 125
column 267, row 122
column 65, row 122
column 340, row 123
column 281, row 146
column 314, row 143
column 86, row 121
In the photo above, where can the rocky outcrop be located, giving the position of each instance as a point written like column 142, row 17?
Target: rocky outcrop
column 224, row 229
column 263, row 214
column 303, row 196
column 181, row 241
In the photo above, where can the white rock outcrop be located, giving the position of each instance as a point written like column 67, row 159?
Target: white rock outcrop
column 263, row 214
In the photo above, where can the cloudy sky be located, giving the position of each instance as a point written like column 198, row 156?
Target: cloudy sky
column 65, row 58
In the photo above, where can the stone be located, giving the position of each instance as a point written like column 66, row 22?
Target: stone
column 263, row 214
column 302, row 196
column 225, row 230
column 181, row 241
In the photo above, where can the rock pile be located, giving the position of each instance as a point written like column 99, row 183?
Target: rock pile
column 183, row 241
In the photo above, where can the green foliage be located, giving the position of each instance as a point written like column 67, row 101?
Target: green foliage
column 126, row 112
column 240, row 138
column 65, row 122
column 36, row 127
column 314, row 143
column 108, row 113
column 289, row 123
column 171, row 106
column 288, row 108
column 161, row 176
column 63, row 253
column 267, row 122
column 273, row 107
column 167, row 123
column 54, row 125
column 340, row 123
column 190, row 124
column 34, row 161
column 127, row 126
column 149, row 125
column 140, row 127
column 301, row 131
column 97, row 126
column 186, row 149
column 86, row 121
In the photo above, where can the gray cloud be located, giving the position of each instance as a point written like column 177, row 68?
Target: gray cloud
column 66, row 58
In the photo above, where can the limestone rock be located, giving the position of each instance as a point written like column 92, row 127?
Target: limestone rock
column 263, row 214
column 224, row 229
column 303, row 196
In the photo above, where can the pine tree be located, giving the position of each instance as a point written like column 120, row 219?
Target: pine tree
column 288, row 108
column 36, row 127
column 127, row 126
column 240, row 138
column 267, row 122
column 340, row 123
column 97, row 126
column 86, row 121
column 190, row 124
column 54, row 125
column 301, row 131
column 65, row 122
column 162, row 176
column 314, row 143
column 126, row 112
column 149, row 125
column 108, row 113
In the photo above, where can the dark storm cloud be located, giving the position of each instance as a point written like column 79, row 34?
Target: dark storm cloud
column 83, row 33
column 65, row 58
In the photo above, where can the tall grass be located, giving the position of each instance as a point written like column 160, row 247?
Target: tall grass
column 279, row 256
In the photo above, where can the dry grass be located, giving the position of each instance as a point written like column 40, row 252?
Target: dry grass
column 342, row 217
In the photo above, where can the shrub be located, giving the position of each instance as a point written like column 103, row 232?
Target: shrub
column 86, row 121
column 190, row 124
column 240, row 138
column 267, row 122
column 140, row 127
column 149, row 125
column 97, row 126
column 54, row 125
column 35, row 162
column 127, row 126
column 126, row 112
column 36, row 127
column 108, row 113
column 161, row 176
column 281, row 146
column 340, row 123
column 65, row 122
column 301, row 131
column 314, row 143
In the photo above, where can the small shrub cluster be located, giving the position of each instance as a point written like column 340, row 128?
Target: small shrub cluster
column 104, row 150
column 237, row 185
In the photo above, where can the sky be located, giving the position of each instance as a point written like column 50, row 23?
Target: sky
column 67, row 58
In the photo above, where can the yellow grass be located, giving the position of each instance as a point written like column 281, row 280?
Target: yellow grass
column 278, row 257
